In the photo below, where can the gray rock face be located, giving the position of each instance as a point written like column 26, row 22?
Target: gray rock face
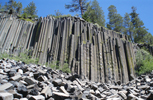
column 92, row 52
column 62, row 86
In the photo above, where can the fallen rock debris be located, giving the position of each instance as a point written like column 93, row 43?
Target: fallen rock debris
column 19, row 81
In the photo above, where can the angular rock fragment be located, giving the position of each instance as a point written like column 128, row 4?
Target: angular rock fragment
column 57, row 82
column 63, row 90
column 143, row 87
column 61, row 94
column 122, row 95
column 115, row 87
column 34, row 92
column 6, row 86
column 30, row 80
column 78, row 85
column 6, row 96
column 12, row 73
column 38, row 97
column 94, row 86
column 42, row 78
column 22, row 90
column 42, row 71
column 46, row 92
column 131, row 97
column 16, row 77
column 15, row 94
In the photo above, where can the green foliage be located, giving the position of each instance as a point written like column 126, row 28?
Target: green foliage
column 128, row 27
column 94, row 14
column 4, row 55
column 26, row 19
column 29, row 20
column 118, row 23
column 30, row 10
column 147, row 67
column 144, row 62
column 66, row 68
column 149, row 39
column 24, row 15
column 13, row 5
column 22, row 57
column 115, row 20
column 77, row 5
column 60, row 16
column 54, row 65
column 139, row 30
column 97, row 25
column 27, row 59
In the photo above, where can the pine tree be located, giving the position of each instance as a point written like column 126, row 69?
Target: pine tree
column 134, row 16
column 140, row 31
column 118, row 23
column 128, row 26
column 30, row 10
column 115, row 20
column 111, row 16
column 149, row 39
column 95, row 14
column 77, row 5
column 14, row 6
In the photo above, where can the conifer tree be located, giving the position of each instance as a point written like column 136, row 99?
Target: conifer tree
column 14, row 6
column 77, row 5
column 115, row 20
column 95, row 14
column 128, row 26
column 30, row 10
column 149, row 39
column 140, row 31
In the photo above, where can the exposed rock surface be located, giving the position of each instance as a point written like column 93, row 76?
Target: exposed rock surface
column 96, row 53
column 56, row 85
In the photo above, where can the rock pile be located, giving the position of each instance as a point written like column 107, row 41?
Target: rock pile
column 19, row 81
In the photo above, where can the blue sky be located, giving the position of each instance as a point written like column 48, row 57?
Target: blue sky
column 144, row 8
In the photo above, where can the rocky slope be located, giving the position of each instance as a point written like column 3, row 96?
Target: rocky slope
column 19, row 81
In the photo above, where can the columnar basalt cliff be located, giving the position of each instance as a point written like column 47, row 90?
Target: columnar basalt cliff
column 96, row 53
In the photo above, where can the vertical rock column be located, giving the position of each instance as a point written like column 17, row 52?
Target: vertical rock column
column 95, row 59
column 87, row 60
column 9, row 38
column 82, row 62
column 71, row 55
column 92, row 63
column 16, row 36
column 124, row 70
column 4, row 32
column 100, row 57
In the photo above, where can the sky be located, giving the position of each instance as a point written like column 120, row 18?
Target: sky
column 144, row 8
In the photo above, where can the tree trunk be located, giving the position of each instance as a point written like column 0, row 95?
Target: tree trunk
column 81, row 8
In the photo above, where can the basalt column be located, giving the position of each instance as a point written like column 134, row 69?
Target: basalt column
column 91, row 51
